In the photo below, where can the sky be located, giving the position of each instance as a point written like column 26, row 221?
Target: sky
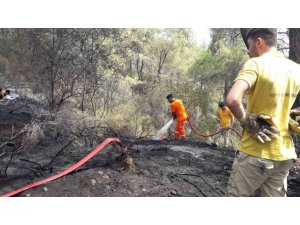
column 201, row 35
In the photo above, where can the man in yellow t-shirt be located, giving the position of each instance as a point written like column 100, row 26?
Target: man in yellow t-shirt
column 178, row 113
column 271, row 83
column 225, row 119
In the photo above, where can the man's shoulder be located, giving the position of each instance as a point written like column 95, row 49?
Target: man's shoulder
column 177, row 101
column 250, row 64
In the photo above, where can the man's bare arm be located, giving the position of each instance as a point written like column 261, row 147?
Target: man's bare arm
column 234, row 99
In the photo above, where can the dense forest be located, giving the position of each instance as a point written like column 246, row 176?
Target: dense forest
column 119, row 78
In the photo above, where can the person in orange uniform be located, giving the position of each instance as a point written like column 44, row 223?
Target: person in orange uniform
column 178, row 113
column 225, row 119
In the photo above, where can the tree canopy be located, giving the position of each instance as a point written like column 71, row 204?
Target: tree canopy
column 121, row 76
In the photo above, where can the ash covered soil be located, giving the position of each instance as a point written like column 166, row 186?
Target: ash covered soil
column 151, row 168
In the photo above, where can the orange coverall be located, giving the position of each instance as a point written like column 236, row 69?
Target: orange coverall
column 177, row 107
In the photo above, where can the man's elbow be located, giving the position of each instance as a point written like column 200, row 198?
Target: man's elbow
column 231, row 102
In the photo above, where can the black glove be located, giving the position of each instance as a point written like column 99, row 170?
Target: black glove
column 293, row 121
column 258, row 127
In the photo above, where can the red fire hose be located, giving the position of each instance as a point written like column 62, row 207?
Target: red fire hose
column 209, row 135
column 89, row 156
column 66, row 171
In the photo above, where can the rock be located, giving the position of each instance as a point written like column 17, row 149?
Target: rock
column 45, row 189
column 144, row 172
column 144, row 189
column 107, row 187
column 28, row 195
column 169, row 159
column 105, row 176
column 173, row 192
column 100, row 172
column 50, row 129
column 165, row 181
column 93, row 181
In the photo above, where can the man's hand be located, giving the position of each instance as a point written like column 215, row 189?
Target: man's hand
column 295, row 112
column 293, row 121
column 258, row 127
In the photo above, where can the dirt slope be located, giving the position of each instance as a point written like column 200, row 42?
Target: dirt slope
column 169, row 168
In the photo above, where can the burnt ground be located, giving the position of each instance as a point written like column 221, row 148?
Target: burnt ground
column 169, row 168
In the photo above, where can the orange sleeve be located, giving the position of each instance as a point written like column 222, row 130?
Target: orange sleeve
column 173, row 107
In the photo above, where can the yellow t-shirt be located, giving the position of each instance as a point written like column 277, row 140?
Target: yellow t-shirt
column 274, row 84
column 178, row 107
column 225, row 117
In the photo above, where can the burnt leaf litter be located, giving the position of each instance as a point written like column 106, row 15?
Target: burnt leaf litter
column 173, row 168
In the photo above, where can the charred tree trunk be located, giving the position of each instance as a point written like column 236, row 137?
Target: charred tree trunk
column 162, row 58
column 294, row 37
column 83, row 94
column 139, row 69
column 294, row 53
column 52, row 79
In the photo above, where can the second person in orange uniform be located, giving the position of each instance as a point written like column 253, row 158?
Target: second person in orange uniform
column 178, row 113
